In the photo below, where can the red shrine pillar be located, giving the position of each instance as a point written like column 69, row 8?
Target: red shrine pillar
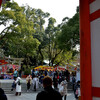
column 0, row 2
column 90, row 49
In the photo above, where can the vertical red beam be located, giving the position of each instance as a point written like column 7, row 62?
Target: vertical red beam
column 85, row 51
column 0, row 2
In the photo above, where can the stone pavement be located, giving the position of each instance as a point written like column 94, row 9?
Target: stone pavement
column 32, row 96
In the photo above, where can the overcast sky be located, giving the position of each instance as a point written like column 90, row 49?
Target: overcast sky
column 58, row 9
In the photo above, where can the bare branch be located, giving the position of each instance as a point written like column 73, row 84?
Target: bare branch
column 2, row 36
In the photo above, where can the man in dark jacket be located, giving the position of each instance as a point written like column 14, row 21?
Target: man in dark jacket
column 49, row 93
column 2, row 95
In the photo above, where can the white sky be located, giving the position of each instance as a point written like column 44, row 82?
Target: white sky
column 58, row 9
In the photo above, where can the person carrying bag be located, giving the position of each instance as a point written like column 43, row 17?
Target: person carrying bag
column 63, row 88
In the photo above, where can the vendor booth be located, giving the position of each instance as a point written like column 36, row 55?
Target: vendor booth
column 59, row 68
column 71, row 67
column 6, row 69
column 48, row 68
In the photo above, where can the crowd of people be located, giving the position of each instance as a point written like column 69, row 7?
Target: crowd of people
column 56, row 76
column 60, row 80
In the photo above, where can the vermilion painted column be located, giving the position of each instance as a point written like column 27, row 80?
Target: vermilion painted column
column 90, row 49
column 0, row 2
column 85, row 51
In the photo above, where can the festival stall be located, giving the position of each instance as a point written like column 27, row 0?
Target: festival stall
column 71, row 67
column 49, row 68
column 6, row 69
column 60, row 68
column 44, row 68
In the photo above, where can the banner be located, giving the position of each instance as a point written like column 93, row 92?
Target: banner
column 3, row 62
column 59, row 68
column 71, row 68
column 5, row 68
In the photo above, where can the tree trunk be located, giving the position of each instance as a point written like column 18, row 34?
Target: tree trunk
column 53, row 59
column 42, row 57
column 37, row 58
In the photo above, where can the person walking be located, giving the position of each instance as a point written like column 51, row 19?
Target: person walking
column 13, row 85
column 48, row 93
column 77, row 90
column 28, row 81
column 15, row 74
column 33, row 73
column 55, row 82
column 64, row 88
column 20, row 72
column 78, row 75
column 67, row 75
column 2, row 95
column 35, row 83
column 73, row 82
column 41, row 80
column 18, row 86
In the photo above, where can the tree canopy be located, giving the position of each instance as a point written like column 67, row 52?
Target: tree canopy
column 24, row 35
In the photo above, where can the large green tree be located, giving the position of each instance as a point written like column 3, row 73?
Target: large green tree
column 24, row 35
column 37, row 16
column 17, row 37
column 69, row 37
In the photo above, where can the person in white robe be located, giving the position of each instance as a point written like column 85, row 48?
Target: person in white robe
column 18, row 86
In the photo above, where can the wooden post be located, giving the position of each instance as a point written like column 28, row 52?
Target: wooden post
column 0, row 2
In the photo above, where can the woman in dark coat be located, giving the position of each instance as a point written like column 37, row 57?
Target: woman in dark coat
column 2, row 95
column 55, row 82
